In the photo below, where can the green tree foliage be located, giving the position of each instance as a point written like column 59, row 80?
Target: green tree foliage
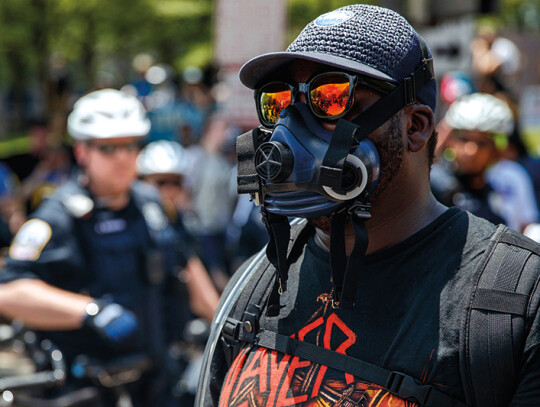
column 93, row 34
column 96, row 36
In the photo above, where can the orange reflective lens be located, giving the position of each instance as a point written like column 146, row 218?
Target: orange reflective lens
column 329, row 95
column 273, row 99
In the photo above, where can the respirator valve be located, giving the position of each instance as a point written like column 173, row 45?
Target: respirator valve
column 273, row 161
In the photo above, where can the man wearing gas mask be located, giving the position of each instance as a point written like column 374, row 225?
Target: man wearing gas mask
column 381, row 295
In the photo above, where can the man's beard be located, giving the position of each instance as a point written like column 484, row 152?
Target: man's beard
column 390, row 148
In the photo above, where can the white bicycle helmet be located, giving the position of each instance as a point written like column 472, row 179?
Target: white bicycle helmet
column 107, row 113
column 162, row 157
column 480, row 112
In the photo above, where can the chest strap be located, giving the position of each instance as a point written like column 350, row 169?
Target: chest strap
column 397, row 383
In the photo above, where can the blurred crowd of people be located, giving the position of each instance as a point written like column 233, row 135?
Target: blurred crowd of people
column 482, row 162
column 182, row 111
column 188, row 158
column 145, row 195
column 489, row 173
column 188, row 155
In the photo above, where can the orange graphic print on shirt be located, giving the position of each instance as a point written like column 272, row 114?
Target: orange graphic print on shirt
column 260, row 377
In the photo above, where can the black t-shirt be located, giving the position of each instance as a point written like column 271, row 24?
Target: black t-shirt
column 407, row 318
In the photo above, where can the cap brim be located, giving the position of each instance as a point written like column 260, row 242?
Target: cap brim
column 261, row 66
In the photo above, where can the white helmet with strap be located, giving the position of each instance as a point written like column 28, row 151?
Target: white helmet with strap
column 162, row 157
column 107, row 113
column 481, row 112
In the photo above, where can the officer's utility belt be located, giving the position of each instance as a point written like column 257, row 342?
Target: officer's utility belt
column 237, row 333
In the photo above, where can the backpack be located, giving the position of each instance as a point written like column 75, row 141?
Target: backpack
column 495, row 323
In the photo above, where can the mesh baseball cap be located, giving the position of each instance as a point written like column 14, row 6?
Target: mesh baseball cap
column 370, row 40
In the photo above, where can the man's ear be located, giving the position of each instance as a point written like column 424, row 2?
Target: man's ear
column 419, row 126
column 80, row 151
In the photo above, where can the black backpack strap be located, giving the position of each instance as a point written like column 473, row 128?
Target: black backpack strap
column 254, row 293
column 494, row 330
column 400, row 384
column 243, row 320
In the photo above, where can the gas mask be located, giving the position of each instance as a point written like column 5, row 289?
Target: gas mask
column 288, row 163
column 301, row 169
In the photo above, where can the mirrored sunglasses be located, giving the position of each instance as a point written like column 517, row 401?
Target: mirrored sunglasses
column 111, row 149
column 168, row 182
column 329, row 95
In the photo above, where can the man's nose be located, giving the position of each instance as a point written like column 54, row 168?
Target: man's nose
column 302, row 90
column 301, row 97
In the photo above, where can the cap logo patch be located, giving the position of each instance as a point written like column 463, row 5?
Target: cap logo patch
column 333, row 18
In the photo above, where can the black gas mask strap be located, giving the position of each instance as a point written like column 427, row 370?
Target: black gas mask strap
column 354, row 263
column 338, row 255
column 405, row 94
column 346, row 132
column 340, row 145
column 248, row 179
column 273, row 302
column 279, row 231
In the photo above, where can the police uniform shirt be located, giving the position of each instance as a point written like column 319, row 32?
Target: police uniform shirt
column 74, row 244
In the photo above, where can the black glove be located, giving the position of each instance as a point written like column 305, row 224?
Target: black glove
column 112, row 322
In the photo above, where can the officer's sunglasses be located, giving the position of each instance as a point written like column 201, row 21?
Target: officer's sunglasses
column 329, row 95
column 168, row 182
column 111, row 149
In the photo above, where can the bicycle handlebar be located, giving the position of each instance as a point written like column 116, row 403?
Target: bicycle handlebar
column 114, row 373
column 40, row 379
column 56, row 376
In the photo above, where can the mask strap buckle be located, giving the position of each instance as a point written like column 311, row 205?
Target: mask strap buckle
column 361, row 208
column 335, row 303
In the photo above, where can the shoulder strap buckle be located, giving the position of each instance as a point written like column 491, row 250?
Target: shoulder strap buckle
column 250, row 323
column 229, row 339
column 407, row 388
column 231, row 329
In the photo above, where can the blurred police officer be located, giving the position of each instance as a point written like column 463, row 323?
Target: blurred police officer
column 164, row 164
column 483, row 181
column 87, row 269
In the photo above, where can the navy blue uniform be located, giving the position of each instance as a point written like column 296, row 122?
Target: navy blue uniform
column 126, row 256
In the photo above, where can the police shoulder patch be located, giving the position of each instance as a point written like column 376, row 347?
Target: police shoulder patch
column 30, row 240
column 78, row 205
column 154, row 216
